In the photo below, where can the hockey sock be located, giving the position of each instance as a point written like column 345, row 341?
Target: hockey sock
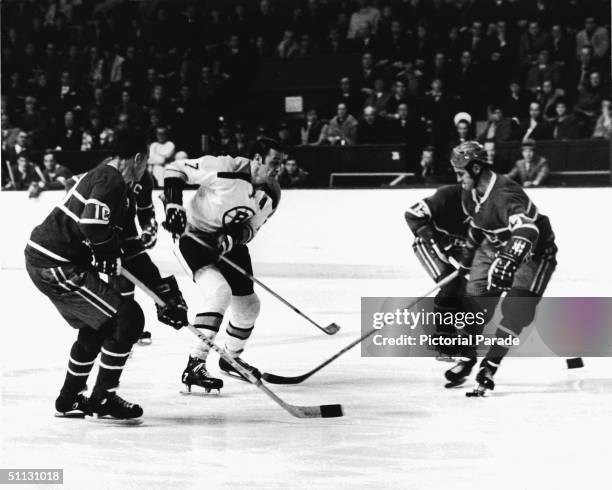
column 113, row 356
column 207, row 323
column 237, row 338
column 80, row 363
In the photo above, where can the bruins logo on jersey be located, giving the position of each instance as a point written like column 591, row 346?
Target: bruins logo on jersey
column 237, row 215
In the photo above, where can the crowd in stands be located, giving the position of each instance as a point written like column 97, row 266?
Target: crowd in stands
column 76, row 71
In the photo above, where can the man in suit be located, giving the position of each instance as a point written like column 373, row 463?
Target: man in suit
column 533, row 128
column 530, row 171
column 498, row 128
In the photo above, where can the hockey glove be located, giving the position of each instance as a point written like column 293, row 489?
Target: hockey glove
column 501, row 272
column 106, row 256
column 176, row 219
column 148, row 236
column 174, row 313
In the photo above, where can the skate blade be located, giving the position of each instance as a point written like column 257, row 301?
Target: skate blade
column 478, row 392
column 73, row 414
column 201, row 392
column 144, row 342
column 445, row 359
column 113, row 421
column 455, row 384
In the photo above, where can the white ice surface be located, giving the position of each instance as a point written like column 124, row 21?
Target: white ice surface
column 543, row 427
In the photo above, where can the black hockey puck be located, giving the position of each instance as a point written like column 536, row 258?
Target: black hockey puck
column 574, row 363
column 328, row 411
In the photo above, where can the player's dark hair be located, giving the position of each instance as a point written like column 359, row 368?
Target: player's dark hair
column 128, row 142
column 263, row 145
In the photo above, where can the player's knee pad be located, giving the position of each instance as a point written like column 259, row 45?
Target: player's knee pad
column 129, row 322
column 518, row 309
column 90, row 339
column 216, row 292
column 245, row 310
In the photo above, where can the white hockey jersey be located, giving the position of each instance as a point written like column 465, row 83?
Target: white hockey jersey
column 225, row 195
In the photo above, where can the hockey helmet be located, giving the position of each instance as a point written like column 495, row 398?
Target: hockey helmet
column 468, row 152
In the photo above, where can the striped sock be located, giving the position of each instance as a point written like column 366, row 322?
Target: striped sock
column 112, row 360
column 237, row 338
column 208, row 323
column 80, row 363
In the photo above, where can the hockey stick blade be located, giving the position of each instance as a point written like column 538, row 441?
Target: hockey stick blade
column 331, row 329
column 317, row 411
column 292, row 380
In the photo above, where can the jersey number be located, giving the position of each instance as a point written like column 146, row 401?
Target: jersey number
column 193, row 165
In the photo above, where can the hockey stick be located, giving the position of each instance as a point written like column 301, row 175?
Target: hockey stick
column 330, row 329
column 290, row 380
column 316, row 411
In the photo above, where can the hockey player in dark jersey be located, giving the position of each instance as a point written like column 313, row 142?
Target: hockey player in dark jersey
column 440, row 227
column 92, row 232
column 511, row 248
column 145, row 214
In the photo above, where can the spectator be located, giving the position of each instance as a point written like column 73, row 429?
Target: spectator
column 368, row 72
column 68, row 98
column 595, row 37
column 516, row 103
column 603, row 126
column 160, row 153
column 436, row 112
column 348, row 96
column 530, row 171
column 70, row 137
column 498, row 127
column 541, row 71
column 341, row 129
column 288, row 47
column 533, row 41
column 370, row 129
column 405, row 128
column 565, row 126
column 285, row 137
column 54, row 174
column 310, row 131
column 427, row 162
column 25, row 174
column 223, row 143
column 464, row 130
column 534, row 128
column 241, row 141
column 291, row 176
column 33, row 122
column 467, row 86
column 366, row 15
column 586, row 65
column 378, row 97
column 400, row 96
column 547, row 96
column 562, row 51
column 589, row 98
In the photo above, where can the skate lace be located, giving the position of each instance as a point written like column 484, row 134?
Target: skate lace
column 120, row 401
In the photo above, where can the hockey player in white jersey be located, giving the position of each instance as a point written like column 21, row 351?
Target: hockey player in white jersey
column 234, row 199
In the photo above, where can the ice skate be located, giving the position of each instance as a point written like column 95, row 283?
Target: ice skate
column 111, row 408
column 484, row 381
column 72, row 407
column 195, row 374
column 227, row 368
column 458, row 374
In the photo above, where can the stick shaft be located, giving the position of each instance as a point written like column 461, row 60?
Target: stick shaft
column 296, row 411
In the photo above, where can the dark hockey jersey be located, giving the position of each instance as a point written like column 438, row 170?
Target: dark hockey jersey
column 504, row 211
column 443, row 211
column 97, row 207
column 143, row 192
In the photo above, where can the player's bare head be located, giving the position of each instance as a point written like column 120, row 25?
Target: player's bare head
column 469, row 161
column 268, row 157
column 129, row 150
